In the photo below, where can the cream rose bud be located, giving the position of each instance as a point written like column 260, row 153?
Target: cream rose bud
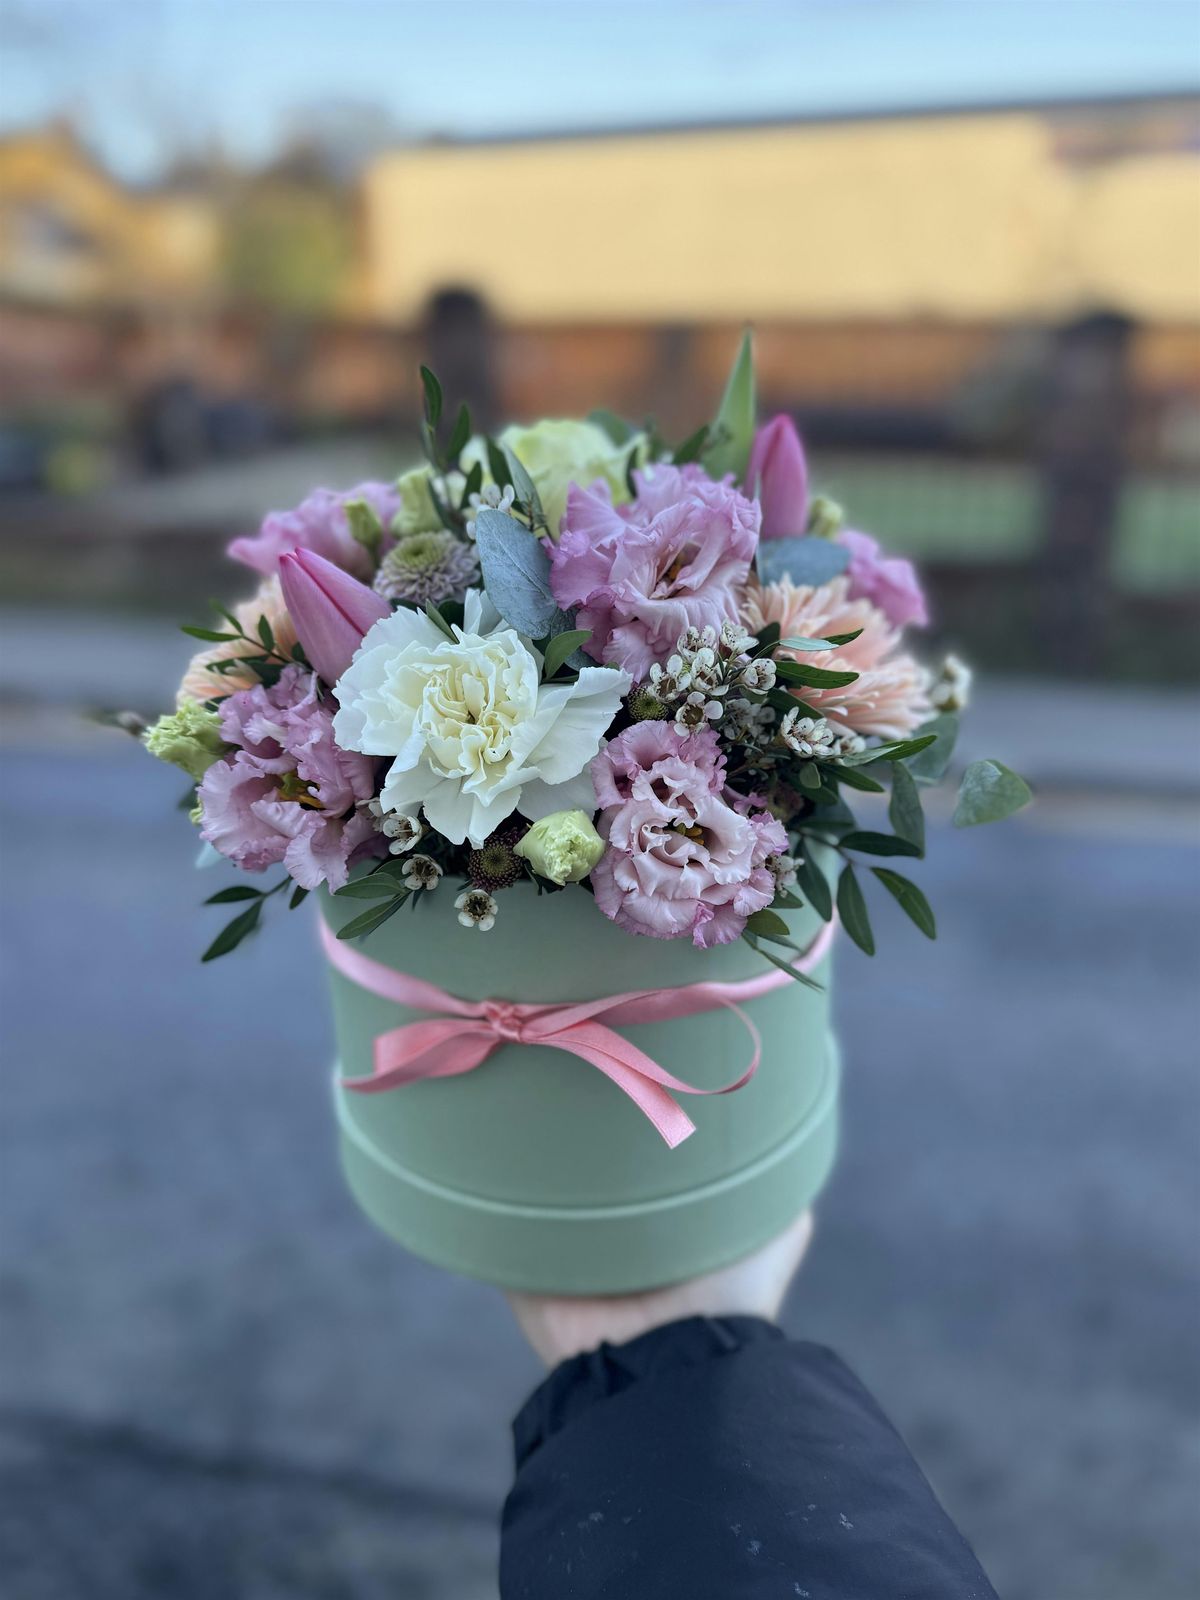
column 563, row 847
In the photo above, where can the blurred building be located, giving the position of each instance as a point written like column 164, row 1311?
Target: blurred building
column 72, row 236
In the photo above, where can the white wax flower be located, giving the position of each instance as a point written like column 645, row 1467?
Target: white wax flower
column 473, row 732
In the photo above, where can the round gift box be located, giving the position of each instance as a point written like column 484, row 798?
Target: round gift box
column 534, row 1171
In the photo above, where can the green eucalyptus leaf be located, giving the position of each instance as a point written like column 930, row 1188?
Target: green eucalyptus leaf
column 239, row 891
column 525, row 490
column 732, row 434
column 299, row 894
column 768, row 923
column 989, row 792
column 909, row 898
column 516, row 573
column 852, row 909
column 806, row 561
column 904, row 807
column 929, row 765
column 438, row 620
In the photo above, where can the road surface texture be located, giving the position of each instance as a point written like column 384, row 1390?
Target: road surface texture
column 219, row 1383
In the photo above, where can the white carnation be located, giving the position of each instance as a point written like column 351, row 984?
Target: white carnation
column 473, row 732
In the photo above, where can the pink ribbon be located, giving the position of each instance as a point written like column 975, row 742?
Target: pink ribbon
column 467, row 1031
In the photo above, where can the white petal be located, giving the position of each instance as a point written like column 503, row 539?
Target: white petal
column 540, row 799
column 572, row 719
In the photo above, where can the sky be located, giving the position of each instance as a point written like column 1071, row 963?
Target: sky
column 146, row 79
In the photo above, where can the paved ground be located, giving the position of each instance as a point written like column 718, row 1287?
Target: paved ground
column 219, row 1384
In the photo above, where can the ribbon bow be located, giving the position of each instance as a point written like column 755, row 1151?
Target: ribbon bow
column 467, row 1031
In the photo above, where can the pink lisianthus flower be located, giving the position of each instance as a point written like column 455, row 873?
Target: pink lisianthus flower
column 288, row 793
column 888, row 582
column 640, row 574
column 319, row 523
column 685, row 856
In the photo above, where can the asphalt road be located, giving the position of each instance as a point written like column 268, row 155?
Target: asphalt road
column 218, row 1383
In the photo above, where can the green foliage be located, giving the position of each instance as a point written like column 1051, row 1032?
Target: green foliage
column 904, row 808
column 560, row 647
column 365, row 527
column 433, row 398
column 807, row 677
column 692, row 447
column 232, row 934
column 852, row 909
column 909, row 898
column 892, row 750
column 617, row 429
column 880, row 844
column 357, row 927
column 929, row 766
column 989, row 792
column 732, row 432
column 814, row 886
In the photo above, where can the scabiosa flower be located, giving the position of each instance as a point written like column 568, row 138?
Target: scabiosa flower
column 476, row 909
column 495, row 864
column 644, row 705
column 427, row 568
column 420, row 872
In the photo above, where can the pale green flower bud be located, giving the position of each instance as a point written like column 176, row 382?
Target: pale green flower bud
column 417, row 513
column 559, row 452
column 563, row 847
column 189, row 738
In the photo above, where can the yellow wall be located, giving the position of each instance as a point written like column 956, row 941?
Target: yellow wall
column 958, row 217
column 134, row 245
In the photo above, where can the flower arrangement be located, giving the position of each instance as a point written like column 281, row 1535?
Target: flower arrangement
column 574, row 658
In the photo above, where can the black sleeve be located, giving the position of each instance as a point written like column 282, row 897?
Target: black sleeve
column 715, row 1459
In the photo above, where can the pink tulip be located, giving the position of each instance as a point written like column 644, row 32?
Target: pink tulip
column 331, row 611
column 778, row 474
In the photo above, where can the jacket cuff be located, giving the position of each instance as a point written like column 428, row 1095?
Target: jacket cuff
column 579, row 1383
